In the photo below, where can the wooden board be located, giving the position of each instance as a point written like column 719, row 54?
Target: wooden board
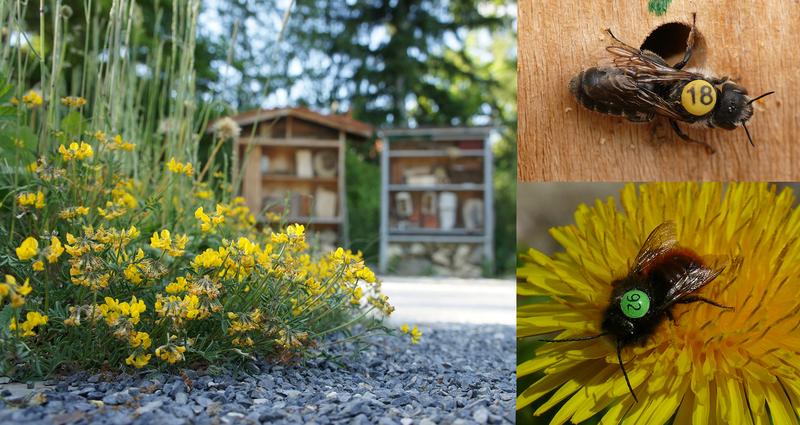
column 755, row 43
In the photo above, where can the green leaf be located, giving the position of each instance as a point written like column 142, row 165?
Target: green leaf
column 5, row 93
column 8, row 113
column 73, row 122
column 10, row 133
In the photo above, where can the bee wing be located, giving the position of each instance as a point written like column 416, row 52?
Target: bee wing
column 648, row 67
column 694, row 279
column 661, row 239
column 624, row 89
column 658, row 104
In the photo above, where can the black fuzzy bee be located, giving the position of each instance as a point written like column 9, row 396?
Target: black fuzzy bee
column 639, row 85
column 663, row 274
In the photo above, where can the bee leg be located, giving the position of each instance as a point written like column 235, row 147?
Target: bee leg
column 689, row 45
column 686, row 137
column 608, row 30
column 696, row 298
column 720, row 80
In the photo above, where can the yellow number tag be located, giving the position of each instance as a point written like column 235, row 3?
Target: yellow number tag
column 698, row 97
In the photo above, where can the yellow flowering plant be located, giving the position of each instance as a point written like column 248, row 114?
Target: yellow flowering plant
column 118, row 236
column 110, row 269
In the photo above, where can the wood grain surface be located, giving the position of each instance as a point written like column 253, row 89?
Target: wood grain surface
column 755, row 43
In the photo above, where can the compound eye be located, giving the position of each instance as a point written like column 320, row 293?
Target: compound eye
column 634, row 304
column 698, row 97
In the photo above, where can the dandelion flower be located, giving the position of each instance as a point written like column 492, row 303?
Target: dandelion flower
column 226, row 128
column 742, row 366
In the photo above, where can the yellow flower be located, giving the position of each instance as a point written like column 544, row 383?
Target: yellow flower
column 208, row 223
column 414, row 333
column 180, row 285
column 72, row 212
column 140, row 339
column 76, row 151
column 73, row 101
column 210, row 258
column 33, row 319
column 28, row 249
column 203, row 194
column 180, row 168
column 100, row 136
column 32, row 99
column 178, row 308
column 38, row 265
column 54, row 250
column 164, row 241
column 27, row 199
column 138, row 360
column 708, row 366
column 14, row 292
column 171, row 353
column 118, row 143
column 133, row 274
column 114, row 311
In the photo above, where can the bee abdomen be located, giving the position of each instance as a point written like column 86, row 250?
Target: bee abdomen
column 599, row 90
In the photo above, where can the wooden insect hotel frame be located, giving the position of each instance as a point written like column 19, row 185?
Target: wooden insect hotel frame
column 437, row 201
column 293, row 165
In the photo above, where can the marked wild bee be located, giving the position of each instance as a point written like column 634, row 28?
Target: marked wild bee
column 639, row 85
column 663, row 274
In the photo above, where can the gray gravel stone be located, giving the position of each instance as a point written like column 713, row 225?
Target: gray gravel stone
column 457, row 374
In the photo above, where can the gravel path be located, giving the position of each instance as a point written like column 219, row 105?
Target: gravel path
column 457, row 374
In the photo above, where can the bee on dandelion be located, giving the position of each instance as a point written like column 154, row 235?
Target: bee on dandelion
column 704, row 362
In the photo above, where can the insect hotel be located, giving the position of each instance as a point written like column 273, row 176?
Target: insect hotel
column 293, row 165
column 437, row 214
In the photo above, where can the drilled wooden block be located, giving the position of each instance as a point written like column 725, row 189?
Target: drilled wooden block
column 757, row 44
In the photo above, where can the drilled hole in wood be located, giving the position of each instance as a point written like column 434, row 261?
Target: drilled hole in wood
column 669, row 41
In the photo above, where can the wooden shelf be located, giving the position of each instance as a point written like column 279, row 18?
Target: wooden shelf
column 292, row 178
column 441, row 232
column 293, row 143
column 438, row 153
column 463, row 187
column 437, row 238
column 314, row 220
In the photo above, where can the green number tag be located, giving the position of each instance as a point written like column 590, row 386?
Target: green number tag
column 634, row 304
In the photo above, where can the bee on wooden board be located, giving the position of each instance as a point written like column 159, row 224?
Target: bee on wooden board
column 663, row 274
column 639, row 85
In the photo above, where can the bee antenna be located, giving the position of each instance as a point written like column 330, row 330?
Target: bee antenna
column 748, row 134
column 759, row 97
column 624, row 373
column 582, row 338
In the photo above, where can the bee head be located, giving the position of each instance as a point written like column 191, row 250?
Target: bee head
column 733, row 107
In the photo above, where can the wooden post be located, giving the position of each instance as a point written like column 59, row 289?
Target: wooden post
column 344, row 229
column 383, row 257
column 754, row 43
